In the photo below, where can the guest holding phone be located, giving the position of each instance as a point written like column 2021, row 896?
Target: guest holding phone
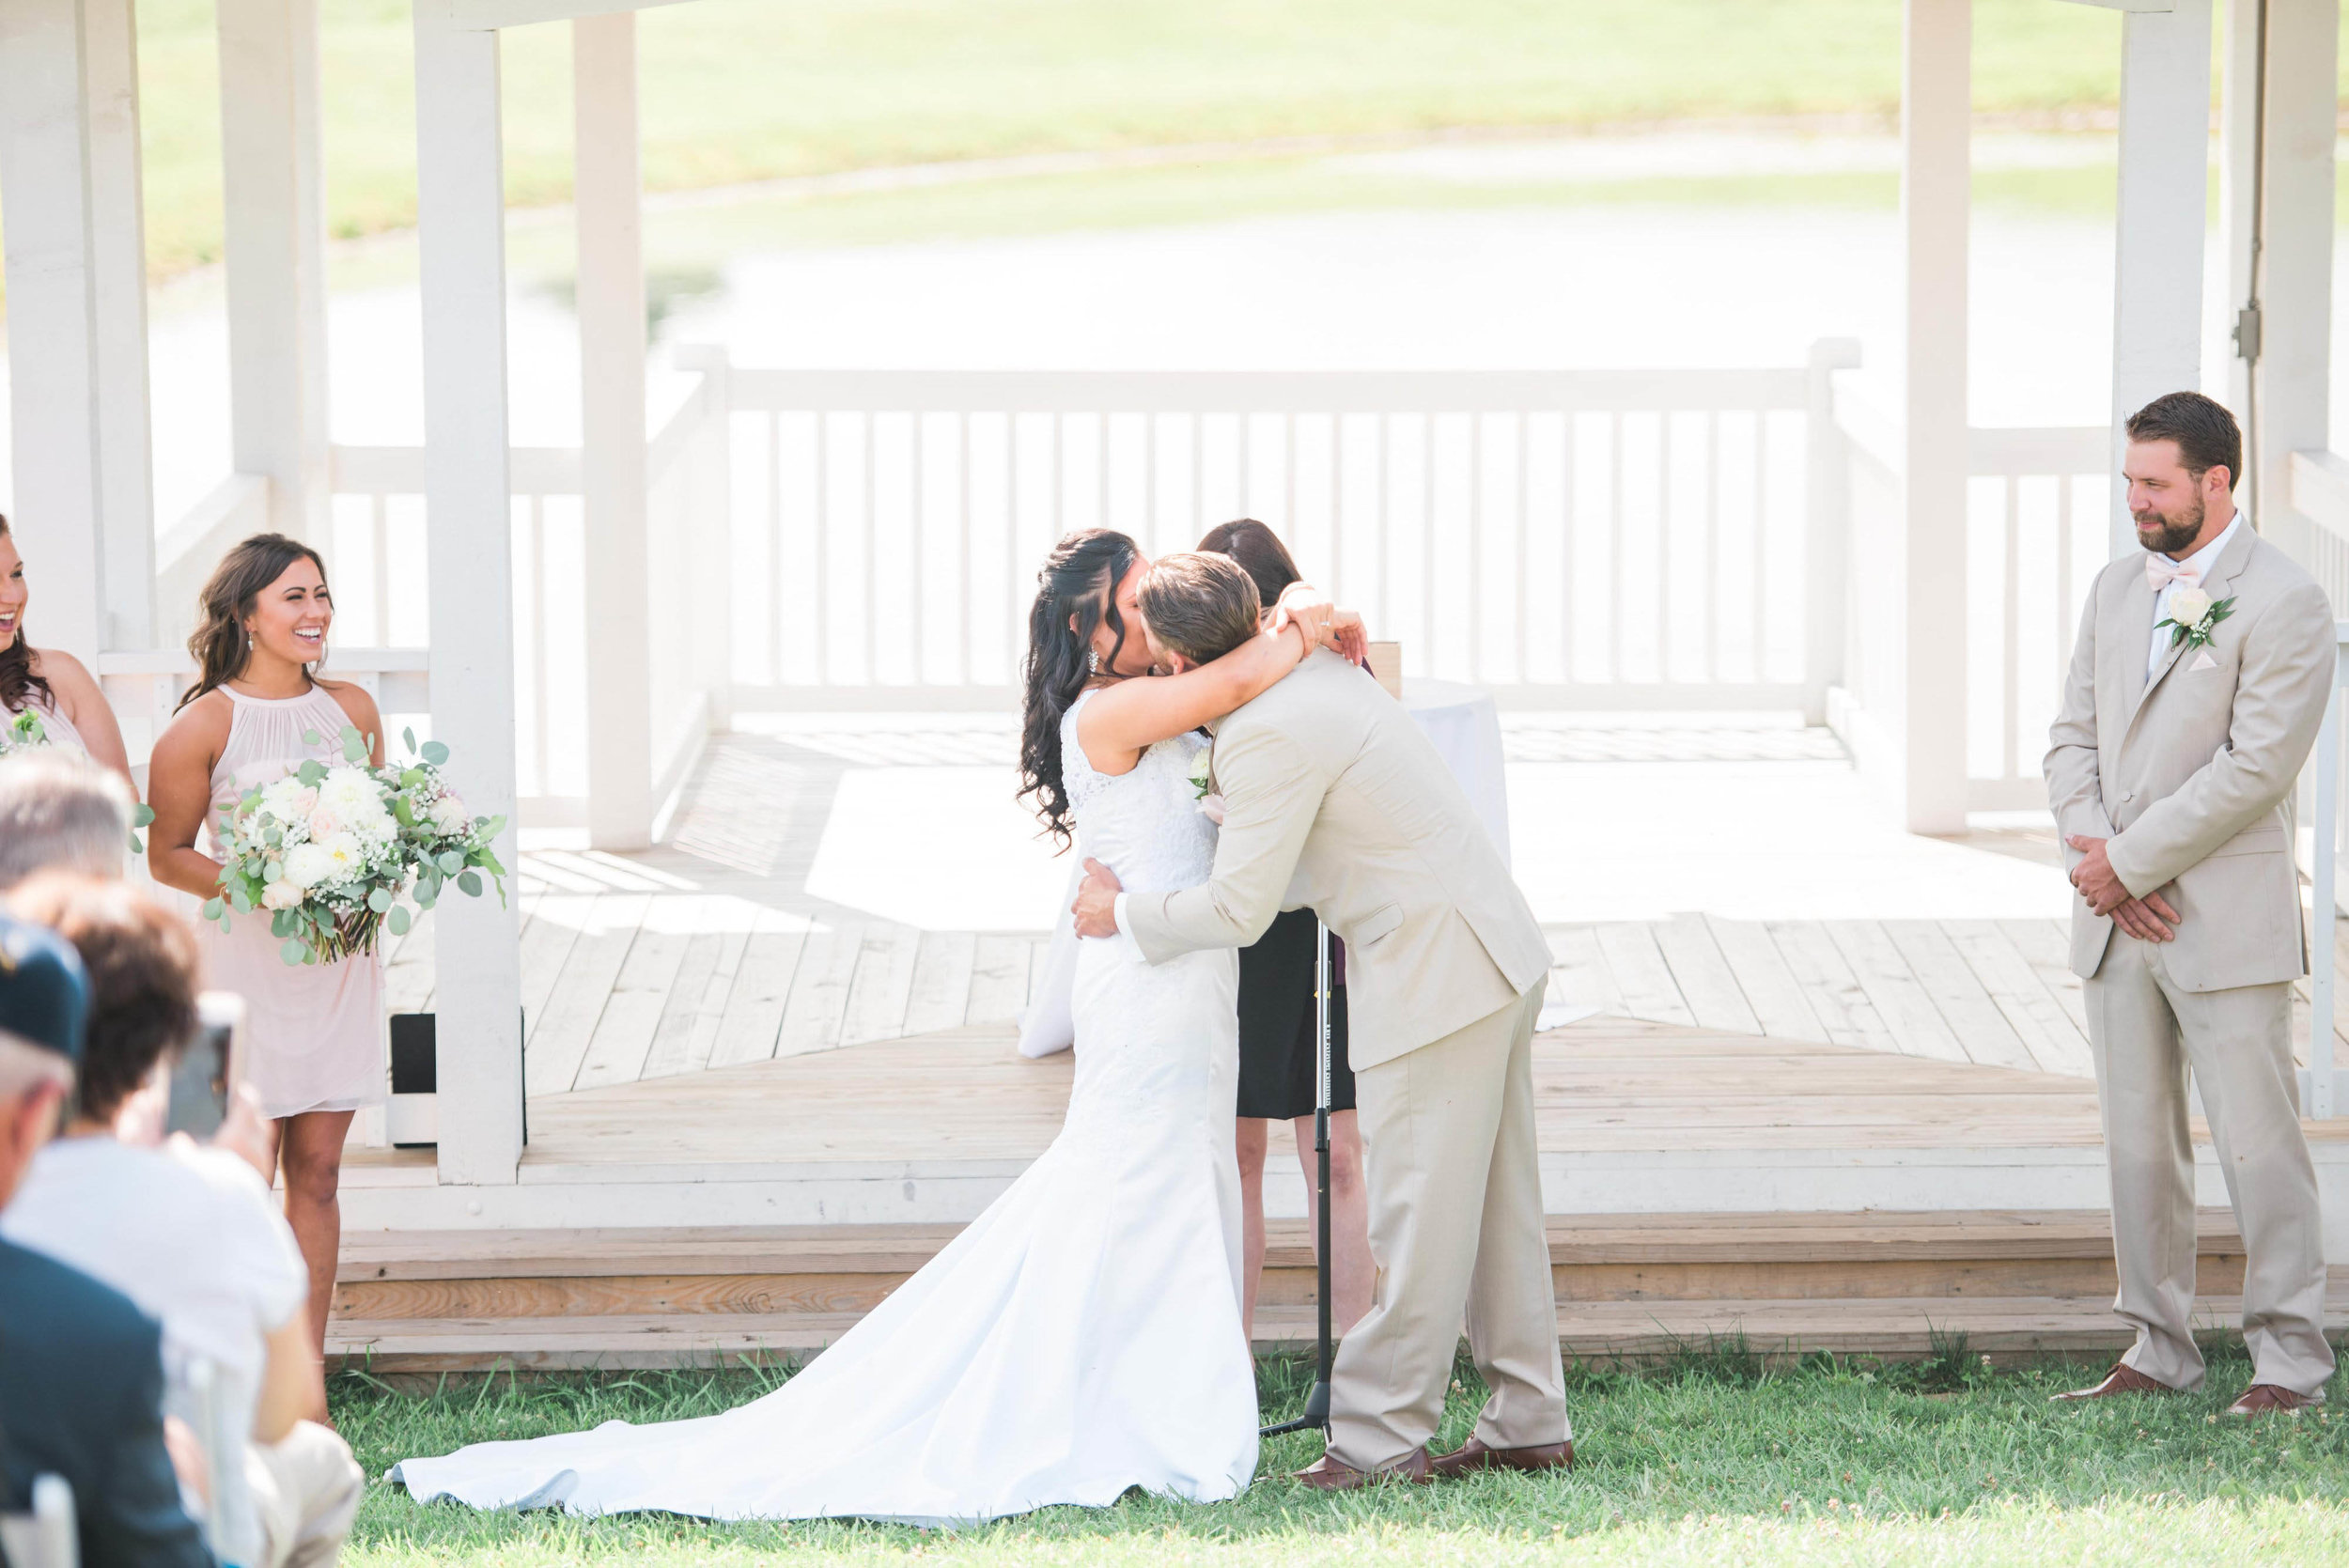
column 1278, row 1048
column 186, row 1231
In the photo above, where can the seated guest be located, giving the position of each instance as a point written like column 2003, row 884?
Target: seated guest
column 187, row 1233
column 81, row 1375
column 60, row 811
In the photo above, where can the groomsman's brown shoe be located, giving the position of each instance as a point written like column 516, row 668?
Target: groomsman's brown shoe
column 2268, row 1399
column 1475, row 1455
column 1331, row 1474
column 2121, row 1379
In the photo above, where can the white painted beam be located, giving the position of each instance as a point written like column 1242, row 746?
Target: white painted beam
column 1936, row 108
column 275, row 208
column 119, row 288
column 53, row 346
column 2164, row 186
column 461, row 238
column 2294, row 405
column 483, row 15
column 611, row 298
column 2238, row 191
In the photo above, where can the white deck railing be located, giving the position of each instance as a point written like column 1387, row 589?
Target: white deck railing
column 1693, row 540
column 2036, row 532
column 1571, row 539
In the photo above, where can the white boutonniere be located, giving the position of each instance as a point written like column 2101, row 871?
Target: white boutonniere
column 2193, row 617
column 1201, row 773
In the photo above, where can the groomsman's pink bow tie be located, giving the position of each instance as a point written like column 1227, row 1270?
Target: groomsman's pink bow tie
column 2161, row 571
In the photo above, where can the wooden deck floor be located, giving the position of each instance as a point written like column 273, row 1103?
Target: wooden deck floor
column 628, row 977
column 708, row 951
column 963, row 1098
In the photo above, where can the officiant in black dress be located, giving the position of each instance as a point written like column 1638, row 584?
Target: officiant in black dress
column 1278, row 1025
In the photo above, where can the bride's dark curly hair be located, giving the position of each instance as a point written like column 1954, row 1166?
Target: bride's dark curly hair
column 1079, row 579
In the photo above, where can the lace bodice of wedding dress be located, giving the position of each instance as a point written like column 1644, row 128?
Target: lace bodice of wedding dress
column 1144, row 825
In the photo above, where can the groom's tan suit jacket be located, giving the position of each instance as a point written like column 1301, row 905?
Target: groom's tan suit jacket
column 1333, row 799
column 2189, row 772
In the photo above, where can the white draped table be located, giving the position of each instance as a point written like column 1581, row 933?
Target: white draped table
column 1464, row 726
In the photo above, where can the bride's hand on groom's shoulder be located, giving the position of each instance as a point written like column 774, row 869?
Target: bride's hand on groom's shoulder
column 1322, row 622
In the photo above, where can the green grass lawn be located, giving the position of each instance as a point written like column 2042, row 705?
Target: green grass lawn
column 746, row 89
column 1714, row 1460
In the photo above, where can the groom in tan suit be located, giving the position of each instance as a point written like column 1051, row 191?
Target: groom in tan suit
column 1334, row 799
column 2194, row 695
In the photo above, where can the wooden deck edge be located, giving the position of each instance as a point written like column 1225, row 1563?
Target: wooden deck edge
column 1865, row 1237
column 2007, row 1330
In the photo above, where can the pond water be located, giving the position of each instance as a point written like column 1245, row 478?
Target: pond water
column 1694, row 249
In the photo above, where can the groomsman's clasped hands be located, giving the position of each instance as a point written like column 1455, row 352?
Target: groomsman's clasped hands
column 2194, row 695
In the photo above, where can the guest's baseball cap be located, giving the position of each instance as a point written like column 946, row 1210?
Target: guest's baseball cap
column 44, row 993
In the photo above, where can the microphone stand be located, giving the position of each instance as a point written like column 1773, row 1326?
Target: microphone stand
column 1317, row 1402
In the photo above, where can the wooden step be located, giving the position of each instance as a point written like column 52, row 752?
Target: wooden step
column 479, row 1275
column 2006, row 1328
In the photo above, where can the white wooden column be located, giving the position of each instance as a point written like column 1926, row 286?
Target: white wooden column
column 611, row 429
column 119, row 288
column 2164, row 197
column 274, row 208
column 462, row 236
column 2295, row 256
column 1936, row 106
column 2240, row 66
column 77, row 339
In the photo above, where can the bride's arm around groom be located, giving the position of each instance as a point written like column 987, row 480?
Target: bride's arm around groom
column 1333, row 798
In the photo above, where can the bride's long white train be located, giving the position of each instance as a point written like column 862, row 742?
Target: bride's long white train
column 1080, row 1338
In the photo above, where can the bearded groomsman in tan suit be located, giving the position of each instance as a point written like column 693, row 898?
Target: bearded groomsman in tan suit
column 1333, row 798
column 2193, row 697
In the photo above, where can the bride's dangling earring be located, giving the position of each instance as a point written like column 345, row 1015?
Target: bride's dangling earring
column 1093, row 660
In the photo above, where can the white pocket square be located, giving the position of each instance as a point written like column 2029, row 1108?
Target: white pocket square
column 2202, row 661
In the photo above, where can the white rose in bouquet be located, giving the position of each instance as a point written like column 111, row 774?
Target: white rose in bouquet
column 2188, row 605
column 344, row 858
column 307, row 866
column 280, row 894
column 448, row 815
column 352, row 796
column 288, row 799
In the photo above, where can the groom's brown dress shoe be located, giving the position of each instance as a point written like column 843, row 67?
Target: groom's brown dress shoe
column 2121, row 1379
column 1475, row 1455
column 2268, row 1399
column 1331, row 1474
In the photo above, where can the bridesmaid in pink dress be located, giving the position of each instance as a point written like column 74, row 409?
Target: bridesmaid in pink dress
column 48, row 681
column 315, row 1049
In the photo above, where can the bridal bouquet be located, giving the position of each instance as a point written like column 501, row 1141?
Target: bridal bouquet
column 330, row 851
column 25, row 733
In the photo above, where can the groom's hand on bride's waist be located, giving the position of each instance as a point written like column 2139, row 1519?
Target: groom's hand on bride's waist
column 1097, row 901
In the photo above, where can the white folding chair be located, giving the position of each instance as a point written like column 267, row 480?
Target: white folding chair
column 228, row 1520
column 46, row 1537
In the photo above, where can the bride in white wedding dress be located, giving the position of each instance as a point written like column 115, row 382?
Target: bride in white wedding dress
column 1082, row 1336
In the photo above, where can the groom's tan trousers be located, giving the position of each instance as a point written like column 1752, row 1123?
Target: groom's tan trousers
column 2146, row 1029
column 1456, row 1228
